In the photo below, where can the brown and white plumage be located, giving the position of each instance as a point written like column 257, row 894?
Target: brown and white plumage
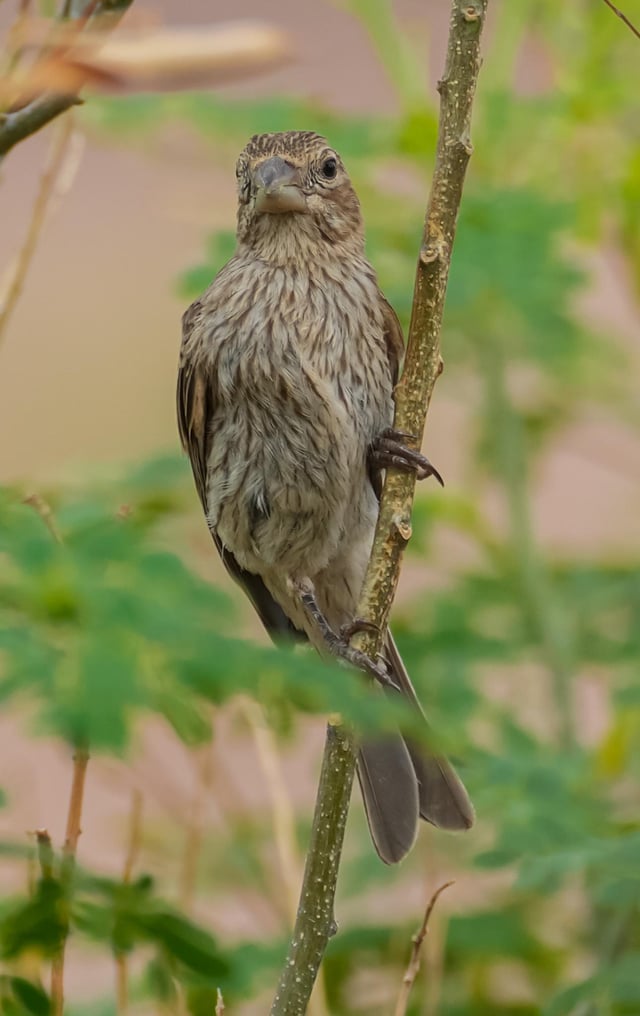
column 286, row 379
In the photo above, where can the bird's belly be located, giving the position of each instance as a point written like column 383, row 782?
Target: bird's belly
column 284, row 495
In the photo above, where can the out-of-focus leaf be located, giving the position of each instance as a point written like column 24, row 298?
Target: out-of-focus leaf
column 21, row 997
column 39, row 923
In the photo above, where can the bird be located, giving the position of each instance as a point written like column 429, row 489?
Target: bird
column 285, row 402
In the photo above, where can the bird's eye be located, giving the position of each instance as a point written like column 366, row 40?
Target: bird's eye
column 329, row 169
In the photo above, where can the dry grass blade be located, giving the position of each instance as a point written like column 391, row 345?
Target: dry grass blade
column 281, row 810
column 51, row 183
column 414, row 962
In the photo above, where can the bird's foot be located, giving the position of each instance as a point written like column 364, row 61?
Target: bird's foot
column 359, row 624
column 389, row 450
column 338, row 643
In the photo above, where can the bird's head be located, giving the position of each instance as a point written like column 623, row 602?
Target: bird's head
column 293, row 189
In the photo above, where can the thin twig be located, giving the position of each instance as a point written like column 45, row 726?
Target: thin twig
column 122, row 983
column 53, row 172
column 133, row 849
column 315, row 921
column 135, row 836
column 623, row 17
column 72, row 835
column 414, row 961
column 74, row 817
column 219, row 1003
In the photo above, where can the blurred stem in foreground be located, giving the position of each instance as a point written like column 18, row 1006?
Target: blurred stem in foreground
column 315, row 921
column 546, row 613
column 21, row 123
column 80, row 762
column 407, row 73
column 51, row 184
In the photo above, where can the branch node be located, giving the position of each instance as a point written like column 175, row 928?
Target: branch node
column 429, row 255
column 467, row 144
column 402, row 525
column 472, row 12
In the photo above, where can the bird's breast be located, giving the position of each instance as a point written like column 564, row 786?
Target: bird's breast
column 302, row 390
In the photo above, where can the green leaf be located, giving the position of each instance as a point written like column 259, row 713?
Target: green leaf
column 185, row 942
column 32, row 997
column 39, row 923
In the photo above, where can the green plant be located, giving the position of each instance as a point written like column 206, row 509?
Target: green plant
column 503, row 643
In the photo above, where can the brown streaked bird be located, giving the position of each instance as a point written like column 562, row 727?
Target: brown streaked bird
column 285, row 406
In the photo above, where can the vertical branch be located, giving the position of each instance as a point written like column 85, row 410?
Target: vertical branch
column 74, row 816
column 315, row 921
column 423, row 363
column 283, row 826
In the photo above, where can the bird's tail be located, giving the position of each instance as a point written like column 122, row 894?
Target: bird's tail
column 400, row 782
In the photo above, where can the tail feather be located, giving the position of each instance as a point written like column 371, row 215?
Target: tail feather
column 389, row 788
column 443, row 798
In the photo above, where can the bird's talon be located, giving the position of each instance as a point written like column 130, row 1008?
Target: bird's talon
column 398, row 435
column 390, row 451
column 359, row 624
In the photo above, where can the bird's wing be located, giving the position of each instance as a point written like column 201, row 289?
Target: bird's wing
column 195, row 406
column 393, row 337
column 394, row 342
column 194, row 399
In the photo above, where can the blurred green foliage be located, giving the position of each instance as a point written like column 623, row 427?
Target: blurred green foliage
column 109, row 623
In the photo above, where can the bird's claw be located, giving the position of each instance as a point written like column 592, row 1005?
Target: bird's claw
column 379, row 669
column 389, row 450
column 359, row 624
column 338, row 644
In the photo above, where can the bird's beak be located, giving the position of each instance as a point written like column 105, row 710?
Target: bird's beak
column 277, row 187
